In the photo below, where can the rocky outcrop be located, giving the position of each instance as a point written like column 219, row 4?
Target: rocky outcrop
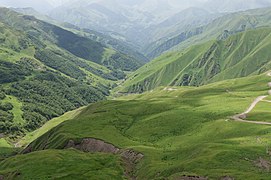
column 93, row 145
column 130, row 157
column 226, row 178
column 263, row 164
column 192, row 178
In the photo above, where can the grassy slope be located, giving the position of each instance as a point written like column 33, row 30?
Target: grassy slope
column 6, row 149
column 161, row 71
column 180, row 132
column 48, row 126
column 65, row 164
column 261, row 112
column 240, row 55
column 17, row 109
column 29, row 42
column 232, row 23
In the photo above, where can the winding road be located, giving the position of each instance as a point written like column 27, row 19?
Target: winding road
column 242, row 116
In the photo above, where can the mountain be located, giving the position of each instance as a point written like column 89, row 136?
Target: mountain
column 42, row 6
column 240, row 55
column 46, row 71
column 149, row 24
column 186, row 22
column 221, row 27
column 163, row 134
column 107, row 40
column 32, row 12
column 80, row 104
column 103, row 18
column 238, row 5
column 129, row 19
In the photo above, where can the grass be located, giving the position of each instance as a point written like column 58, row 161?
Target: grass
column 4, row 143
column 6, row 149
column 108, row 53
column 17, row 109
column 183, row 132
column 262, row 112
column 240, row 55
column 232, row 22
column 62, row 164
column 48, row 126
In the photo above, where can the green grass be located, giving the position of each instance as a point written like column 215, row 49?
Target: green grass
column 6, row 149
column 47, row 126
column 232, row 23
column 187, row 131
column 240, row 55
column 262, row 112
column 108, row 53
column 17, row 109
column 4, row 143
column 62, row 164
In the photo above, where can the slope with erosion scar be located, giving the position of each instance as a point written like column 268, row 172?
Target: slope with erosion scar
column 175, row 130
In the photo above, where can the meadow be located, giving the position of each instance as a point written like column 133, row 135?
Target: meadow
column 181, row 131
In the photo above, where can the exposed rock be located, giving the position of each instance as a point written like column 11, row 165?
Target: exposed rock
column 242, row 116
column 130, row 157
column 27, row 150
column 93, row 145
column 2, row 177
column 263, row 164
column 226, row 178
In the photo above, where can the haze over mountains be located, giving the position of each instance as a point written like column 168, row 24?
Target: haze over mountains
column 137, row 21
column 135, row 89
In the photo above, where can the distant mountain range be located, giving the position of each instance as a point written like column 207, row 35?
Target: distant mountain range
column 147, row 23
column 232, row 46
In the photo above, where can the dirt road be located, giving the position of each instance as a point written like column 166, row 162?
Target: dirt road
column 242, row 116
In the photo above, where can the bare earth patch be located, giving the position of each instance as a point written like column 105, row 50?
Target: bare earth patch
column 226, row 178
column 263, row 164
column 129, row 157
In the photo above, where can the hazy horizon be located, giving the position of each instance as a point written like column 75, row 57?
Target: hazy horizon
column 47, row 5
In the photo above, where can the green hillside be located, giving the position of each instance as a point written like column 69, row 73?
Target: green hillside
column 80, row 46
column 243, row 54
column 220, row 28
column 65, row 164
column 120, row 45
column 77, row 104
column 181, row 132
column 46, row 71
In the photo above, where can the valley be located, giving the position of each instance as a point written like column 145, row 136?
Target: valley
column 135, row 90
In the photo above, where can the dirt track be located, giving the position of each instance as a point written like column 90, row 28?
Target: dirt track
column 242, row 116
